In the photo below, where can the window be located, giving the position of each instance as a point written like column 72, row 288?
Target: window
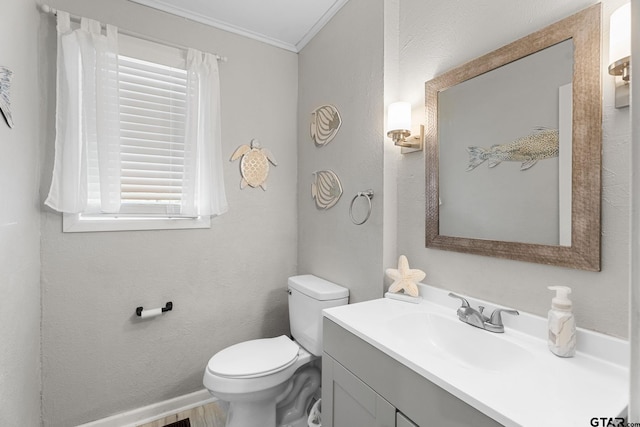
column 154, row 91
column 152, row 131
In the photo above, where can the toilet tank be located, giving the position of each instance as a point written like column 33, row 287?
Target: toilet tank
column 308, row 296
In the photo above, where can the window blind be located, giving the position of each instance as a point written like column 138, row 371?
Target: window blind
column 152, row 129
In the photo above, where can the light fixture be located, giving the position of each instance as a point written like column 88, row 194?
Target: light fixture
column 399, row 125
column 620, row 52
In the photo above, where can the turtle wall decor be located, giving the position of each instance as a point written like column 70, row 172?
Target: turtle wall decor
column 254, row 165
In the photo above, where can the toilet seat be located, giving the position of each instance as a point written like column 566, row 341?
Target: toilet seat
column 240, row 361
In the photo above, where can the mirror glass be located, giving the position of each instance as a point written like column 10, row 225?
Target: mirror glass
column 499, row 144
column 513, row 149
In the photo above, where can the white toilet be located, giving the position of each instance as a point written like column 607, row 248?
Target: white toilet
column 269, row 382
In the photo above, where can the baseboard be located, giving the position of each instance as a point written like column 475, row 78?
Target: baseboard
column 154, row 411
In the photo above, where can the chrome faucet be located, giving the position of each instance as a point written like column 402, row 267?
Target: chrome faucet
column 476, row 318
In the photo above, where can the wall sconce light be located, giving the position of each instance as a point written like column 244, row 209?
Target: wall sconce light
column 399, row 125
column 620, row 52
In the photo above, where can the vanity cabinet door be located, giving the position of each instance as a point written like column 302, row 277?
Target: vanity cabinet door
column 402, row 421
column 348, row 402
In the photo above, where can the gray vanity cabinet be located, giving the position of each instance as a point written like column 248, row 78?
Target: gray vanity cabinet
column 363, row 387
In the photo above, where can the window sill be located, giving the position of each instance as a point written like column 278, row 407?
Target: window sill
column 77, row 223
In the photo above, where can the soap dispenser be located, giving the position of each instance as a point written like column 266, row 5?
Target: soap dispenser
column 562, row 324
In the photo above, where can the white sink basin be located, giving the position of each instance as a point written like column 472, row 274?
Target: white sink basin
column 512, row 377
column 457, row 341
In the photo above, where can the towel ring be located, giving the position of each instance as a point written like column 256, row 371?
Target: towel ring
column 369, row 195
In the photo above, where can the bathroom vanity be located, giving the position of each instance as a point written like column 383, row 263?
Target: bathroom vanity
column 362, row 386
column 391, row 363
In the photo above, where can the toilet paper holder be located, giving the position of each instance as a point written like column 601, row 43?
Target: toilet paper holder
column 168, row 307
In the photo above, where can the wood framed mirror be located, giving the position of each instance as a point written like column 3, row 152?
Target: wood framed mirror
column 513, row 158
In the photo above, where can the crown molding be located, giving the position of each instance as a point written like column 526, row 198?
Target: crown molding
column 162, row 6
column 319, row 25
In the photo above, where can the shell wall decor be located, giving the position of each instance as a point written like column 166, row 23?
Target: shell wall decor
column 325, row 123
column 254, row 166
column 326, row 189
column 5, row 103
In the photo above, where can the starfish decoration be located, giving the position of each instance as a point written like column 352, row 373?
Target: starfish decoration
column 405, row 278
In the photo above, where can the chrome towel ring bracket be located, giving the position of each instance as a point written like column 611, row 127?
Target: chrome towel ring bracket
column 368, row 194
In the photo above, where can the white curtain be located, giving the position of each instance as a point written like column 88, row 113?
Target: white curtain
column 86, row 173
column 203, row 184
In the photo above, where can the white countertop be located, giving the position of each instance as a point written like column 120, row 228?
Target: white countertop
column 532, row 387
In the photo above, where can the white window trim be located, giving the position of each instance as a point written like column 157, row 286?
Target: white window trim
column 79, row 223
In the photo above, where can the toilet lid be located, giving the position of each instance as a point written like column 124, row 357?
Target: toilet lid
column 254, row 358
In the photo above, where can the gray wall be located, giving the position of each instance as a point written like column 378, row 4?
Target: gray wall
column 436, row 36
column 226, row 283
column 343, row 66
column 19, row 222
